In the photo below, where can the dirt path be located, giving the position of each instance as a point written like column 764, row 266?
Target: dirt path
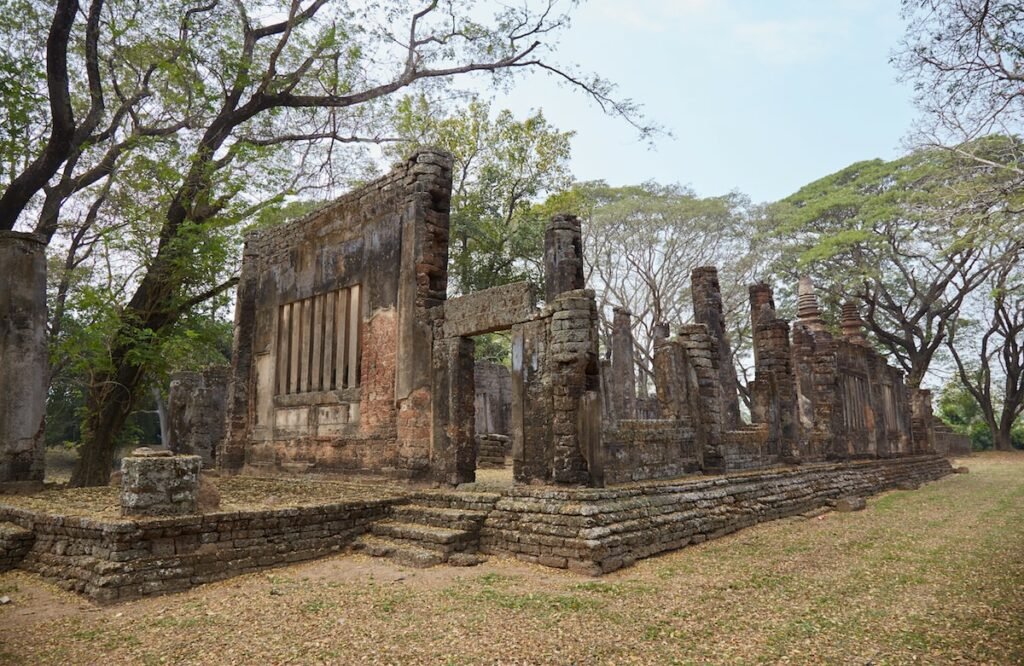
column 928, row 576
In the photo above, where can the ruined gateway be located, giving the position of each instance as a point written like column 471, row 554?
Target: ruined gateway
column 350, row 361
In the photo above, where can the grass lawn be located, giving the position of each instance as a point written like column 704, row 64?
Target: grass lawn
column 928, row 576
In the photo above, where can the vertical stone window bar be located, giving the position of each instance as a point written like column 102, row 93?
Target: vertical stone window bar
column 319, row 342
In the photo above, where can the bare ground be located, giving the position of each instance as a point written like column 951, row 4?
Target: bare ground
column 928, row 576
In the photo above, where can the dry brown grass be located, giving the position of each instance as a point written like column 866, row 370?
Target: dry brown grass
column 928, row 576
column 237, row 494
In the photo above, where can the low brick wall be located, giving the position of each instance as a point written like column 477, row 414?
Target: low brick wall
column 116, row 560
column 15, row 542
column 948, row 443
column 594, row 531
column 641, row 450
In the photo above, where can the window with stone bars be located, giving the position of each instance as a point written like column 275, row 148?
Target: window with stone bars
column 318, row 342
column 855, row 399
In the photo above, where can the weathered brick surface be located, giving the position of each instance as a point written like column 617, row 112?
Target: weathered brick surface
column 595, row 531
column 24, row 357
column 948, row 443
column 15, row 542
column 159, row 486
column 640, row 450
column 384, row 247
column 490, row 310
column 621, row 381
column 196, row 407
column 117, row 560
column 492, row 383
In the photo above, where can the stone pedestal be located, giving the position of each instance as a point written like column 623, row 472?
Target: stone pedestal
column 24, row 361
column 159, row 483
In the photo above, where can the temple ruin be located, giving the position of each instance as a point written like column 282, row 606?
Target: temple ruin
column 350, row 361
column 349, row 358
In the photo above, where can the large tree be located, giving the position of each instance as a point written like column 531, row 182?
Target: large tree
column 502, row 167
column 908, row 239
column 988, row 348
column 641, row 244
column 227, row 105
column 965, row 59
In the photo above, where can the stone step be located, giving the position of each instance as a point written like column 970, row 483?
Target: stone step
column 457, row 519
column 450, row 499
column 402, row 552
column 426, row 536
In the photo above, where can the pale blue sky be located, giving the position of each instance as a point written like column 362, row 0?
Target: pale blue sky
column 761, row 96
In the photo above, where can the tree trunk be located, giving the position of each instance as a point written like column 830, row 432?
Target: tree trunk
column 161, row 413
column 108, row 404
column 1002, row 438
column 112, row 395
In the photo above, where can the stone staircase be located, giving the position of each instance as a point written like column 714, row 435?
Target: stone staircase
column 432, row 528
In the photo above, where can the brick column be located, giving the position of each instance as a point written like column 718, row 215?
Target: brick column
column 573, row 372
column 773, row 394
column 921, row 421
column 453, row 455
column 623, row 374
column 24, row 357
column 707, row 310
column 563, row 256
column 762, row 307
column 702, row 356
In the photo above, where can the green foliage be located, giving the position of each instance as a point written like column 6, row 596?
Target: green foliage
column 496, row 347
column 910, row 239
column 960, row 411
column 501, row 167
column 642, row 242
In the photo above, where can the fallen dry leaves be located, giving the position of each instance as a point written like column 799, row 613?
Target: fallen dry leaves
column 928, row 576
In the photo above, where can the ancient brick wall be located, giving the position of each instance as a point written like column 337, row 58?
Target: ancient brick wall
column 594, row 531
column 331, row 362
column 639, row 450
column 949, row 443
column 117, row 560
column 15, row 542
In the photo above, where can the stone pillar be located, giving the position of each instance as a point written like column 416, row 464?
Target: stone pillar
column 232, row 450
column 159, row 483
column 623, row 374
column 702, row 357
column 24, row 357
column 573, row 369
column 921, row 421
column 707, row 310
column 196, row 405
column 563, row 256
column 531, row 403
column 773, row 393
column 762, row 307
column 454, row 445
